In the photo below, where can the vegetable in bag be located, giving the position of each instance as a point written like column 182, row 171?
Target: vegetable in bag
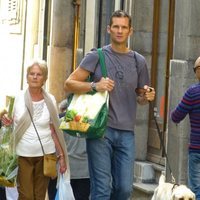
column 8, row 157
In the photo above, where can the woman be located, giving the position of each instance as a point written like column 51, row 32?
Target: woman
column 190, row 105
column 31, row 182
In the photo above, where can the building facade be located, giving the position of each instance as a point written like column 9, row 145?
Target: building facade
column 62, row 32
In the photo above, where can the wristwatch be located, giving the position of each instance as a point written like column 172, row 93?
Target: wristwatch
column 93, row 86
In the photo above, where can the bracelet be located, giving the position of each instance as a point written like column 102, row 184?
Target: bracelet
column 60, row 155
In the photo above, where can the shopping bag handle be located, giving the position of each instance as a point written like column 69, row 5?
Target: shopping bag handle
column 102, row 62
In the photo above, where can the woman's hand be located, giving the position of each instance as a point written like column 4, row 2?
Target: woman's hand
column 6, row 120
column 3, row 112
column 62, row 164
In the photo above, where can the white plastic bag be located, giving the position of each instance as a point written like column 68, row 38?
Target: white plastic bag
column 64, row 190
column 11, row 193
column 8, row 157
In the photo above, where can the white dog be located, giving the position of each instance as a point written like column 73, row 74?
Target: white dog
column 169, row 191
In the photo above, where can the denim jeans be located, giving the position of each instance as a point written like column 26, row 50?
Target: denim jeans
column 194, row 173
column 111, row 161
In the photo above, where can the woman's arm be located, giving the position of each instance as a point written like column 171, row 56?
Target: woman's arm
column 60, row 152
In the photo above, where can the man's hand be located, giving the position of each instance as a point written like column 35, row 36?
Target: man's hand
column 145, row 94
column 105, row 84
column 150, row 93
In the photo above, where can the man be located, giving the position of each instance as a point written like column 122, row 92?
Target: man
column 190, row 104
column 111, row 158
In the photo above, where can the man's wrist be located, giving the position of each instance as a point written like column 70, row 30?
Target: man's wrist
column 142, row 100
column 93, row 86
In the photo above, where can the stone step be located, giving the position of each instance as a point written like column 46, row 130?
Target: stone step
column 158, row 169
column 143, row 191
column 144, row 172
column 147, row 172
column 146, row 176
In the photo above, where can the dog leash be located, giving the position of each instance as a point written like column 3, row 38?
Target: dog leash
column 162, row 142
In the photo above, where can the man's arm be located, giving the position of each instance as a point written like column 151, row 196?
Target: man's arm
column 76, row 82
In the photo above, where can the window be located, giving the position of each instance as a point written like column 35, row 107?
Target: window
column 13, row 8
column 11, row 13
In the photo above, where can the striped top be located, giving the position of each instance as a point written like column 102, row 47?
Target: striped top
column 190, row 104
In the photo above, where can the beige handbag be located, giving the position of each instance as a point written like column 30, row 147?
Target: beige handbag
column 49, row 165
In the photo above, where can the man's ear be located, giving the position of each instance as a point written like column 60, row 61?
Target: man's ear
column 131, row 31
column 108, row 29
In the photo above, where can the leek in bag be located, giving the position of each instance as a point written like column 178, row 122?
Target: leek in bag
column 86, row 115
column 8, row 158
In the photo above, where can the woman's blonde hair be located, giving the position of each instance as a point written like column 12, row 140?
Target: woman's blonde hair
column 42, row 64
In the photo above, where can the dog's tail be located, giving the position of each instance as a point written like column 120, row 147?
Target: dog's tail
column 162, row 179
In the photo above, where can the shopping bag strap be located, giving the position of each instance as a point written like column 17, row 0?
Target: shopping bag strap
column 102, row 62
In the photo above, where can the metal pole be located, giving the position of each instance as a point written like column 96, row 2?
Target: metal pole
column 24, row 46
column 76, row 31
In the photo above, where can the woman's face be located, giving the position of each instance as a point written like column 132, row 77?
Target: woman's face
column 35, row 78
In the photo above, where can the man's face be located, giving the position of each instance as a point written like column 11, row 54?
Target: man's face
column 119, row 30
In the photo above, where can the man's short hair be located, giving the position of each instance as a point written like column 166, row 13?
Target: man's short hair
column 120, row 13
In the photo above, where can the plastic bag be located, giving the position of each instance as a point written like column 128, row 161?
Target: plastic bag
column 8, row 157
column 64, row 190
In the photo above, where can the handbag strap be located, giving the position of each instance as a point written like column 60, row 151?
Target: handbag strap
column 35, row 130
column 102, row 62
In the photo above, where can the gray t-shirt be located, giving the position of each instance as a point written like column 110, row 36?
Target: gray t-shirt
column 78, row 160
column 129, row 71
